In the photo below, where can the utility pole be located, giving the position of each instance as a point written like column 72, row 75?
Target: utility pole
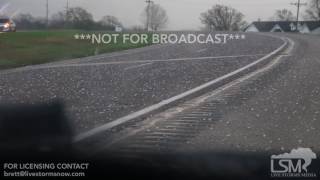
column 148, row 13
column 318, row 9
column 298, row 4
column 66, row 23
column 47, row 13
column 67, row 11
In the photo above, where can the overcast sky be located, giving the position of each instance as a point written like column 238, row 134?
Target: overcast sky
column 183, row 14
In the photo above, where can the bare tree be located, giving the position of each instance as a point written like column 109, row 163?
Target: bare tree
column 76, row 17
column 27, row 21
column 24, row 20
column 157, row 16
column 223, row 18
column 110, row 21
column 283, row 15
column 313, row 10
column 79, row 17
column 58, row 20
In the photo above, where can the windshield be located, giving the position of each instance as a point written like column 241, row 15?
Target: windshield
column 4, row 20
column 221, row 89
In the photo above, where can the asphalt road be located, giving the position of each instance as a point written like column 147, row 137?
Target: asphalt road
column 275, row 110
column 98, row 90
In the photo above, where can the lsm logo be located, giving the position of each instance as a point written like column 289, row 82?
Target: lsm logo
column 294, row 164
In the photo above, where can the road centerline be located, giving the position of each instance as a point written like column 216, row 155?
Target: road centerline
column 137, row 66
column 28, row 68
column 201, row 50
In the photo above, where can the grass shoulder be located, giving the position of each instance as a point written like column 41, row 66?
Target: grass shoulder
column 37, row 47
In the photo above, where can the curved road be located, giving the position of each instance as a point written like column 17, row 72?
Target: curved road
column 97, row 90
column 279, row 111
column 276, row 110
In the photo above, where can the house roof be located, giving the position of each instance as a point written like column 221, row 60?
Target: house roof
column 266, row 26
column 312, row 24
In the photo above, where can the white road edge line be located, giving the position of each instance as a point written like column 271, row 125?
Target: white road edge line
column 159, row 60
column 163, row 103
column 125, row 62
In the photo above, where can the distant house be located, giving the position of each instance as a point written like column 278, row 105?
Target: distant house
column 284, row 26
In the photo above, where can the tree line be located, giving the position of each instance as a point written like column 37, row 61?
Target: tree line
column 312, row 13
column 74, row 18
column 226, row 18
column 218, row 18
column 80, row 18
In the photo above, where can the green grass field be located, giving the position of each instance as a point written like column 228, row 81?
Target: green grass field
column 28, row 48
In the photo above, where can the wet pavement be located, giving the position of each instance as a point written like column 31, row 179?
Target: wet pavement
column 98, row 90
column 277, row 112
column 274, row 110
